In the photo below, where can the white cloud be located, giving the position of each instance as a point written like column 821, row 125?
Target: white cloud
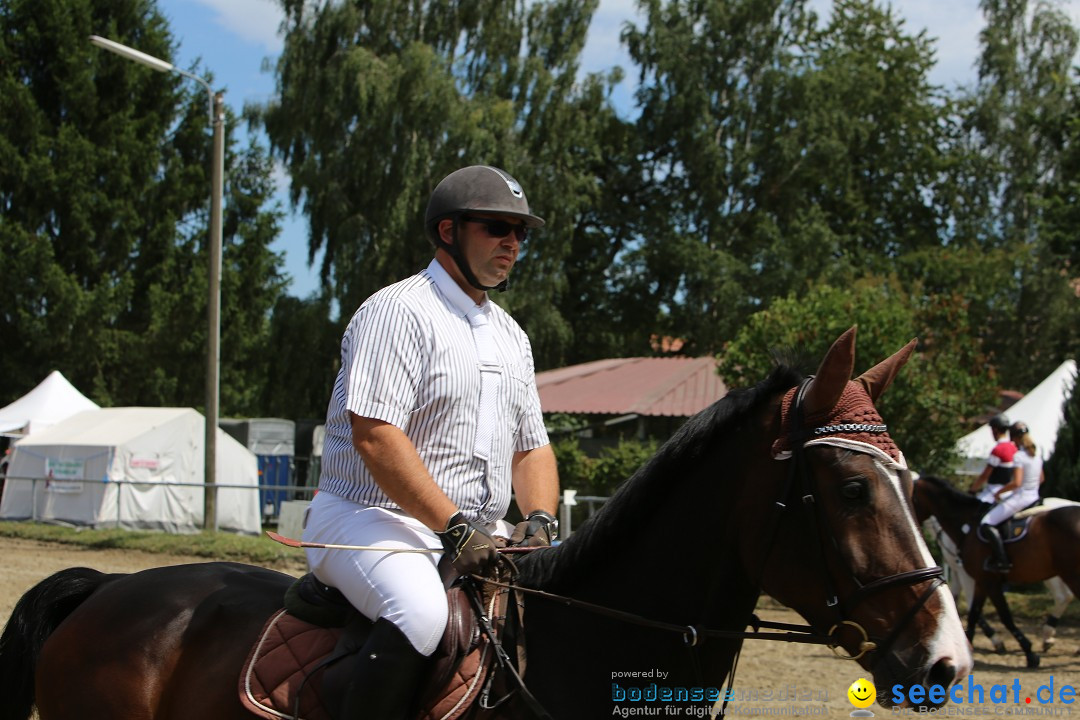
column 255, row 21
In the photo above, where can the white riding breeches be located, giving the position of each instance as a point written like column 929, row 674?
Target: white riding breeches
column 988, row 491
column 404, row 588
column 1012, row 504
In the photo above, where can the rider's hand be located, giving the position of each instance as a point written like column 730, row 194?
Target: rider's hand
column 469, row 547
column 537, row 530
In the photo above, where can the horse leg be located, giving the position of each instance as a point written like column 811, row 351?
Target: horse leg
column 1049, row 631
column 967, row 589
column 1062, row 596
column 1064, row 588
column 998, row 598
column 978, row 598
column 991, row 635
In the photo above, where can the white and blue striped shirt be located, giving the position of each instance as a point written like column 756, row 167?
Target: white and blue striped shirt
column 408, row 358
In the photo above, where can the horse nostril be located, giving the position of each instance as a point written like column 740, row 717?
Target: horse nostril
column 942, row 673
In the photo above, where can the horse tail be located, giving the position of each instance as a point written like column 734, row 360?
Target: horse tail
column 35, row 617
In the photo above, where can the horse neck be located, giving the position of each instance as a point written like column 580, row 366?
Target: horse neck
column 953, row 511
column 668, row 534
column 666, row 548
column 663, row 549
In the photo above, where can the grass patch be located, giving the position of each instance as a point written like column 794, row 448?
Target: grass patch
column 210, row 545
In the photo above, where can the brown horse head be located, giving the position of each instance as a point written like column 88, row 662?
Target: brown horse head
column 847, row 510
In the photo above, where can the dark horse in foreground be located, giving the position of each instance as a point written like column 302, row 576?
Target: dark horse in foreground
column 1051, row 547
column 744, row 498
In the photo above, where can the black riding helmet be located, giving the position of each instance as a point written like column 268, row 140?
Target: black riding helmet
column 475, row 189
column 999, row 422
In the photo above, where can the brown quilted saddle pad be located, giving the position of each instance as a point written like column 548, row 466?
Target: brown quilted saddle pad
column 282, row 675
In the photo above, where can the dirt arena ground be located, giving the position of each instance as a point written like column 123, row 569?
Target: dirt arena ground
column 778, row 666
column 798, row 680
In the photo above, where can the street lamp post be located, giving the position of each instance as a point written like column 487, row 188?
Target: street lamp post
column 213, row 353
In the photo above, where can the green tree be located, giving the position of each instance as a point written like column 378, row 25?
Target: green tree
column 1052, row 288
column 302, row 368
column 378, row 101
column 785, row 153
column 1063, row 467
column 1050, row 299
column 1021, row 123
column 598, row 476
column 941, row 386
column 104, row 205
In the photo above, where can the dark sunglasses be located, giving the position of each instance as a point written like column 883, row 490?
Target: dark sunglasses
column 499, row 228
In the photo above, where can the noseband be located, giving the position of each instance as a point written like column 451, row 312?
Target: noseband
column 801, row 481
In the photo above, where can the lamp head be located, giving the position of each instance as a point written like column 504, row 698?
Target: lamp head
column 131, row 54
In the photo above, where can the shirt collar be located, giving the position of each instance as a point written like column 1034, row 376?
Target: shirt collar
column 456, row 298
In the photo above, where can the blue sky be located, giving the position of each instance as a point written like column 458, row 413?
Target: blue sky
column 233, row 38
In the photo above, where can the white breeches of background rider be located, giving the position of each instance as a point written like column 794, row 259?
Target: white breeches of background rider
column 988, row 491
column 1005, row 509
column 404, row 588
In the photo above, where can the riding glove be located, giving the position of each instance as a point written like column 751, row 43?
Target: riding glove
column 469, row 547
column 537, row 530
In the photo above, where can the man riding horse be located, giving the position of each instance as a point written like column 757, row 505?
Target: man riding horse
column 433, row 419
column 996, row 475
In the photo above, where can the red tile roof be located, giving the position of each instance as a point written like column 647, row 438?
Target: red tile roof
column 673, row 387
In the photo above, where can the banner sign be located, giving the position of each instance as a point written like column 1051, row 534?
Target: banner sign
column 58, row 469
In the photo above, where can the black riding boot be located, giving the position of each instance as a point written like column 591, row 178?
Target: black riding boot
column 1000, row 561
column 383, row 681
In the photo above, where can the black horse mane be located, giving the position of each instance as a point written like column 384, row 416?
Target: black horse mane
column 677, row 460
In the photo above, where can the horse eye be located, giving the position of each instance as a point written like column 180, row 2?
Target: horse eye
column 854, row 490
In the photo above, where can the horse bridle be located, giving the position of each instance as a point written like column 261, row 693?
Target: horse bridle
column 799, row 471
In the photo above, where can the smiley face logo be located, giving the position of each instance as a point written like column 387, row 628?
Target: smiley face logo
column 862, row 693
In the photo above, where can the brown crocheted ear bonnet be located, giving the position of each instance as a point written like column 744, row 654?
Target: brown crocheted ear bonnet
column 853, row 418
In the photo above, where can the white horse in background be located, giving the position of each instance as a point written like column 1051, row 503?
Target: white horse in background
column 964, row 585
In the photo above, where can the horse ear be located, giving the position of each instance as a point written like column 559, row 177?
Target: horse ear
column 879, row 377
column 832, row 376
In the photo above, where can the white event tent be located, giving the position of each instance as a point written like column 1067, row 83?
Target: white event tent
column 53, row 400
column 130, row 467
column 1043, row 411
